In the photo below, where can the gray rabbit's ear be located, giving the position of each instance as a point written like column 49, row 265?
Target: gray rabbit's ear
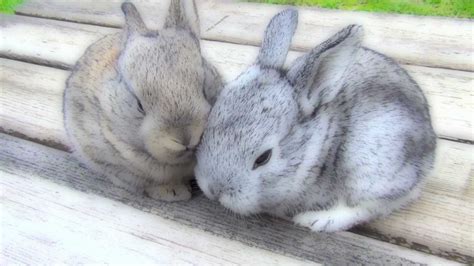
column 277, row 39
column 319, row 75
column 133, row 21
column 183, row 14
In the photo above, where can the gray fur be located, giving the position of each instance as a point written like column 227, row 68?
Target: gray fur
column 164, row 72
column 275, row 50
column 350, row 134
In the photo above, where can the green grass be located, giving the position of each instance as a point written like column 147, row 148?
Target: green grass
column 8, row 6
column 447, row 8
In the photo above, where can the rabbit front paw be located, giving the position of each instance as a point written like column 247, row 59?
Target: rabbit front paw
column 171, row 192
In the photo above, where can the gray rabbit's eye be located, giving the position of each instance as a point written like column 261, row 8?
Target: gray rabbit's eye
column 262, row 159
column 140, row 107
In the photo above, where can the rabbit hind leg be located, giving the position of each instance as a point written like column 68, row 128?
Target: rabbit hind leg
column 339, row 217
column 342, row 217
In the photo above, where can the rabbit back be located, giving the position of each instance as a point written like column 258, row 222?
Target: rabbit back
column 390, row 143
column 379, row 142
column 81, row 105
column 83, row 110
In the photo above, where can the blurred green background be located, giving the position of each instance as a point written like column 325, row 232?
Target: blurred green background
column 447, row 8
column 8, row 6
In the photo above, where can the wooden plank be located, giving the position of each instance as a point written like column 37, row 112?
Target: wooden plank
column 444, row 211
column 446, row 202
column 46, row 223
column 427, row 41
column 45, row 217
column 32, row 110
column 60, row 44
column 450, row 95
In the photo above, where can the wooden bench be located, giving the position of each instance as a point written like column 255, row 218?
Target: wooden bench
column 50, row 203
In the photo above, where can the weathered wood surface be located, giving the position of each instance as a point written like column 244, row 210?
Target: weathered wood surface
column 428, row 41
column 441, row 222
column 31, row 101
column 40, row 218
column 42, row 215
column 446, row 201
column 60, row 44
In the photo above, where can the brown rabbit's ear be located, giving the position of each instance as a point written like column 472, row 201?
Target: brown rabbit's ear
column 133, row 21
column 183, row 14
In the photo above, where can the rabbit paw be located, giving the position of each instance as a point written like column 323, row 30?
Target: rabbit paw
column 335, row 219
column 173, row 192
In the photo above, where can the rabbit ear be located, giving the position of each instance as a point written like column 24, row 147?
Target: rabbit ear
column 133, row 21
column 319, row 75
column 212, row 82
column 183, row 14
column 277, row 39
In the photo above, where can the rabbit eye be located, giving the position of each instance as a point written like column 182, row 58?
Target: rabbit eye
column 263, row 159
column 140, row 107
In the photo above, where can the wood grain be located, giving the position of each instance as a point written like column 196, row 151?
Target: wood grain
column 31, row 101
column 60, row 44
column 444, row 211
column 441, row 228
column 427, row 41
column 44, row 215
column 41, row 218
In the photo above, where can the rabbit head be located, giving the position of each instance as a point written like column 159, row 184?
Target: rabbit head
column 253, row 146
column 164, row 72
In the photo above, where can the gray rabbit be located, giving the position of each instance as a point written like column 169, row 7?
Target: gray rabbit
column 341, row 137
column 137, row 102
